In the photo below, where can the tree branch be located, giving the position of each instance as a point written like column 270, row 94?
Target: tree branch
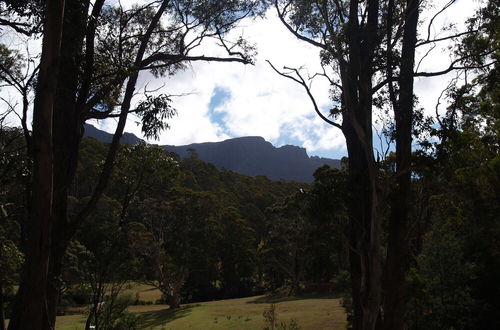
column 172, row 59
column 428, row 41
column 446, row 6
column 452, row 67
column 281, row 15
column 302, row 82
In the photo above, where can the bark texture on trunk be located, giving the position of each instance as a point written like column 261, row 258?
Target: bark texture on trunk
column 31, row 302
column 398, row 238
column 68, row 125
column 67, row 132
column 365, row 221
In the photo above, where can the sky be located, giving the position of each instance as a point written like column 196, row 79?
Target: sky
column 227, row 100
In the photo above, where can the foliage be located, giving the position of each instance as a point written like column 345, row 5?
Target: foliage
column 452, row 284
column 287, row 240
column 100, row 261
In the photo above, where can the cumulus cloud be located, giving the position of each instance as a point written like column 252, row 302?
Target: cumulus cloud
column 262, row 103
column 258, row 101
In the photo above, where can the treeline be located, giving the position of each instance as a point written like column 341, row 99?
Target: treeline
column 199, row 233
column 193, row 231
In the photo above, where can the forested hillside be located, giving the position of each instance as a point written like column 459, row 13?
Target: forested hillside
column 195, row 232
column 198, row 233
column 250, row 155
column 406, row 233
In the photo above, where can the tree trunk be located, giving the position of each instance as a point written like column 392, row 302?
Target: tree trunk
column 398, row 249
column 174, row 301
column 365, row 235
column 31, row 301
column 365, row 221
column 66, row 139
column 2, row 313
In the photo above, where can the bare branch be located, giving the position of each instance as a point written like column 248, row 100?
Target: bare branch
column 425, row 56
column 446, row 6
column 24, row 28
column 428, row 41
column 324, row 74
column 302, row 82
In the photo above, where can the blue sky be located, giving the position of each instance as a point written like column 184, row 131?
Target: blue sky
column 219, row 96
column 227, row 100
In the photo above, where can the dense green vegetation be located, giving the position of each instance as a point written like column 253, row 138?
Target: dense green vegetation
column 409, row 237
column 197, row 233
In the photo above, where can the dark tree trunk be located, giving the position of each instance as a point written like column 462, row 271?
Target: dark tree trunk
column 31, row 301
column 174, row 300
column 397, row 253
column 2, row 312
column 68, row 131
column 364, row 218
column 365, row 235
column 66, row 139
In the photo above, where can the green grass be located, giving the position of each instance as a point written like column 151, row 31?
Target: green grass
column 146, row 292
column 313, row 312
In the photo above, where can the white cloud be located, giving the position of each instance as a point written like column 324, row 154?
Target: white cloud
column 263, row 103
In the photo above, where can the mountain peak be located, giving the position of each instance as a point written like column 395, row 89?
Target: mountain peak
column 250, row 155
column 253, row 155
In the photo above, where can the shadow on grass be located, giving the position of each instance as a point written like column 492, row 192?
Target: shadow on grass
column 273, row 299
column 161, row 317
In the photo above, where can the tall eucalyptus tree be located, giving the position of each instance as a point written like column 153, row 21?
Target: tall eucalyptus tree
column 368, row 56
column 98, row 51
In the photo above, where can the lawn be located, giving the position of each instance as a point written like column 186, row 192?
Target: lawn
column 311, row 312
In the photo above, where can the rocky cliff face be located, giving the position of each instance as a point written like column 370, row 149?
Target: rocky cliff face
column 251, row 155
column 255, row 156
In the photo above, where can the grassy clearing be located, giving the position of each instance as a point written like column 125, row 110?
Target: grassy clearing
column 245, row 313
column 311, row 312
column 146, row 292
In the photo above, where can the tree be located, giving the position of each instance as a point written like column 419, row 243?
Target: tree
column 31, row 305
column 13, row 173
column 105, row 262
column 142, row 170
column 329, row 247
column 368, row 56
column 349, row 34
column 454, row 277
column 236, row 250
column 11, row 260
column 182, row 229
column 103, row 49
column 286, row 244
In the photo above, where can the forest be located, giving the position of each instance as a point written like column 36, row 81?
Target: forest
column 407, row 237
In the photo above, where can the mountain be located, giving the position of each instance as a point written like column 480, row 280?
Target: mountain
column 91, row 131
column 251, row 155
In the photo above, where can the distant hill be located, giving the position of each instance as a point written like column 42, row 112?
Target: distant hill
column 250, row 155
column 91, row 131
